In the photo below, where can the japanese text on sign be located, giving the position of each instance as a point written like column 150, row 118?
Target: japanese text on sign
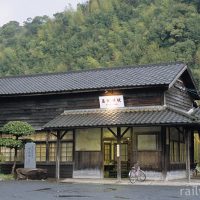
column 111, row 101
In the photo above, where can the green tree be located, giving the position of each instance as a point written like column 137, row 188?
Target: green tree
column 103, row 33
column 15, row 130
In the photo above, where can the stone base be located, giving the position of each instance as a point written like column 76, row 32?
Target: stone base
column 171, row 175
column 179, row 174
column 28, row 173
column 152, row 175
column 88, row 173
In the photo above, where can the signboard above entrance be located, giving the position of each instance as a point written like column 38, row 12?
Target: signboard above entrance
column 111, row 101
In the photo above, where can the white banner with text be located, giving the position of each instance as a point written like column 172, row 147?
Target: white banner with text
column 111, row 101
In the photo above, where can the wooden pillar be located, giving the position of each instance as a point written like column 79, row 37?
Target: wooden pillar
column 163, row 152
column 118, row 154
column 187, row 145
column 58, row 156
column 165, row 131
column 192, row 149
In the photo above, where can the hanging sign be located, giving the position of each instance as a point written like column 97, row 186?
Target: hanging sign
column 111, row 101
column 118, row 151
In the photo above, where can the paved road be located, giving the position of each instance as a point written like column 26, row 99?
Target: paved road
column 45, row 190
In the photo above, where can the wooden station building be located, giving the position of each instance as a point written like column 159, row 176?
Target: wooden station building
column 98, row 123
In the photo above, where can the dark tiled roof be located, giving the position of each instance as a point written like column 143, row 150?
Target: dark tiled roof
column 150, row 75
column 157, row 115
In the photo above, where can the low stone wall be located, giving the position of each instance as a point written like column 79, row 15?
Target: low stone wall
column 178, row 174
column 88, row 173
column 152, row 175
column 171, row 175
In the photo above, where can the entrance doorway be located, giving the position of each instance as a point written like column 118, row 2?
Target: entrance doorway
column 110, row 157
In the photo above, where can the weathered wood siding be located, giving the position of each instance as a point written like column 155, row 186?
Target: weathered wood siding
column 150, row 160
column 66, row 170
column 88, row 160
column 178, row 97
column 141, row 97
column 38, row 110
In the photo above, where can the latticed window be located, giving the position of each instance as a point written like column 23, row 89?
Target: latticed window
column 40, row 152
column 107, row 153
column 177, row 146
column 52, row 151
column 7, row 154
column 182, row 152
column 38, row 136
column 66, row 151
column 45, row 148
column 124, row 152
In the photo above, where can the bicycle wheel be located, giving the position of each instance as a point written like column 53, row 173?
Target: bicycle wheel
column 141, row 176
column 194, row 172
column 132, row 176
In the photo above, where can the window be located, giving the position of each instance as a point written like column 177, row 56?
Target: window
column 177, row 146
column 147, row 142
column 7, row 154
column 40, row 140
column 40, row 152
column 88, row 139
column 66, row 147
column 107, row 153
column 38, row 136
column 45, row 148
column 124, row 152
column 52, row 151
column 182, row 152
column 182, row 149
column 174, row 151
column 66, row 151
column 66, row 154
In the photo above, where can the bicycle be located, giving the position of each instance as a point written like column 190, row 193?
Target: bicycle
column 136, row 174
column 195, row 169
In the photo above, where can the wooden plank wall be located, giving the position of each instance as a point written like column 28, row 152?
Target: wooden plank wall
column 178, row 98
column 66, row 170
column 150, row 160
column 38, row 110
column 88, row 160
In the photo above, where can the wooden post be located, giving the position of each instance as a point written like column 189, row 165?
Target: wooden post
column 187, row 145
column 163, row 152
column 58, row 156
column 118, row 154
column 192, row 146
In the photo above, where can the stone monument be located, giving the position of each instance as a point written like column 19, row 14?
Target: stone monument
column 30, row 159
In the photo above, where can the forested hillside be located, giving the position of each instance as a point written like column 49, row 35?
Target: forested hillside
column 104, row 33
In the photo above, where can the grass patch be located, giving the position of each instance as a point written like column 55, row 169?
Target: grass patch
column 5, row 177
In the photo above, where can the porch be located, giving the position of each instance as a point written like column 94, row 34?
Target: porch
column 109, row 142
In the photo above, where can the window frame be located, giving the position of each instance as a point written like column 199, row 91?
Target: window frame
column 181, row 155
column 156, row 133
